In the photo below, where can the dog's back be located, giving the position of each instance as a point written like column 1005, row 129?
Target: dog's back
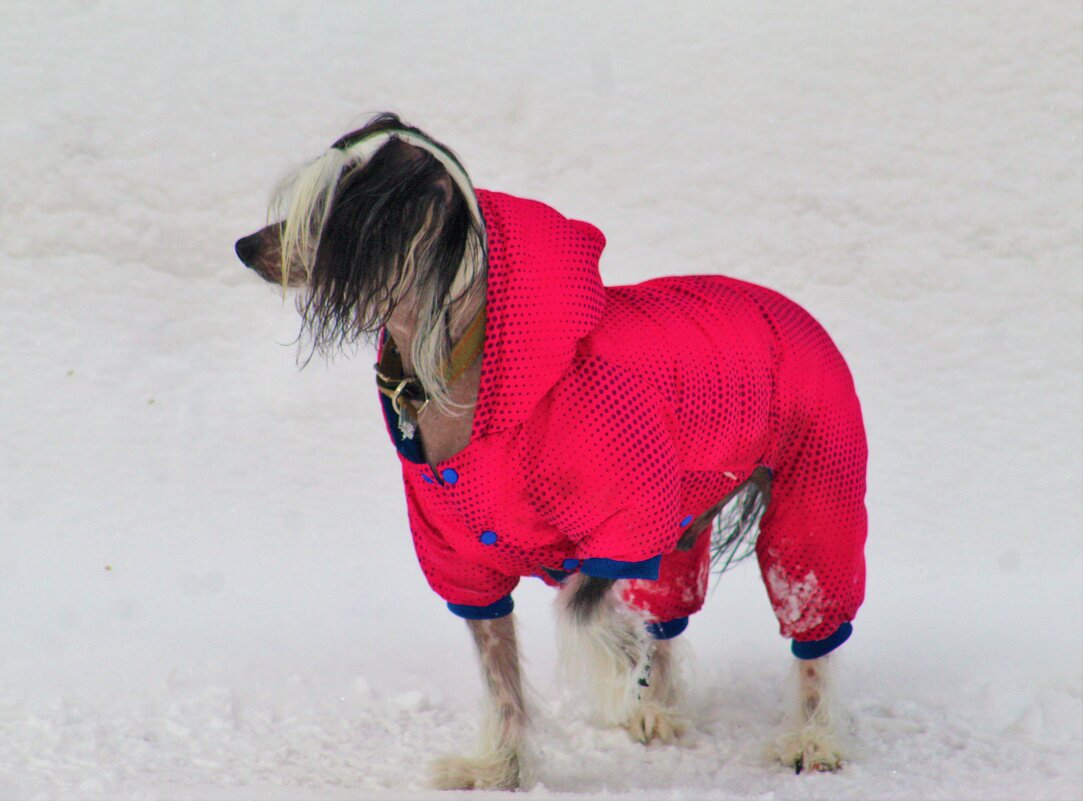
column 745, row 377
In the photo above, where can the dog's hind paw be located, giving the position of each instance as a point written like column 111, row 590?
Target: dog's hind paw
column 655, row 722
column 809, row 750
column 485, row 772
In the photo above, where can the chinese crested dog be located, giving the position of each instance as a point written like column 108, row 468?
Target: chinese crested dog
column 619, row 443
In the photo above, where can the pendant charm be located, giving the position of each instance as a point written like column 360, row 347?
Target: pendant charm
column 407, row 427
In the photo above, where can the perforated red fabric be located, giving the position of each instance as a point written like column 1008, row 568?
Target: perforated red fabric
column 609, row 418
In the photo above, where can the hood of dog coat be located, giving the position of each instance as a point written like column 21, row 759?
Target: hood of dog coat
column 544, row 295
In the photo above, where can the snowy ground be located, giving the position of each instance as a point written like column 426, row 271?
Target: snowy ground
column 206, row 585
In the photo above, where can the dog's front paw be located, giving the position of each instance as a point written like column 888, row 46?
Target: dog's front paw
column 496, row 771
column 652, row 721
column 811, row 748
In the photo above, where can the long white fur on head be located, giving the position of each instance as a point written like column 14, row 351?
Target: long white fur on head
column 303, row 203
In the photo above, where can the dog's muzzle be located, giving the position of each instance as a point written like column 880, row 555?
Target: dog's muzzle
column 248, row 248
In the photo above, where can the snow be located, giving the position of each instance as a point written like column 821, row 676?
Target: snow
column 207, row 588
column 797, row 595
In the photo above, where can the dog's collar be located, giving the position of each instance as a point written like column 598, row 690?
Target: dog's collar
column 408, row 389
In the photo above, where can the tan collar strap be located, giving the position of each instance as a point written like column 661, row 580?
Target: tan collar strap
column 399, row 388
column 467, row 349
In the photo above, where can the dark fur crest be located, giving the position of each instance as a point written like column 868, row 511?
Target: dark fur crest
column 400, row 195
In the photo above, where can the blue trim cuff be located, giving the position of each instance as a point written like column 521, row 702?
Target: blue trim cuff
column 817, row 648
column 615, row 569
column 667, row 630
column 501, row 608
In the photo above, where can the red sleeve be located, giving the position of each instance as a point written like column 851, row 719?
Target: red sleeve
column 455, row 579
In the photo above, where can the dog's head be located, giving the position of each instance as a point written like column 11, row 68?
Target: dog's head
column 385, row 218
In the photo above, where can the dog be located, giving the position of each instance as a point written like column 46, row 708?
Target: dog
column 619, row 443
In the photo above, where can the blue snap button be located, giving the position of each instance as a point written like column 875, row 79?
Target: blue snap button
column 686, row 522
column 427, row 478
column 571, row 564
column 488, row 538
column 449, row 475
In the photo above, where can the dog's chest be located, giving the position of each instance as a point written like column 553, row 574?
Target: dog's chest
column 437, row 434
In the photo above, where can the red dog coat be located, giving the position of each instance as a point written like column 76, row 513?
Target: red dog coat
column 609, row 418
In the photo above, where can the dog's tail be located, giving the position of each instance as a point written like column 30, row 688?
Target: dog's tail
column 737, row 527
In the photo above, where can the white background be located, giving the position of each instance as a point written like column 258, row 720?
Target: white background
column 207, row 588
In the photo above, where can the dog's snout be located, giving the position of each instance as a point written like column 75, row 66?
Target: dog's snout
column 248, row 248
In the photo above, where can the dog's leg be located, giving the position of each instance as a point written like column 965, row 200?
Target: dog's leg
column 657, row 714
column 498, row 764
column 809, row 739
column 630, row 678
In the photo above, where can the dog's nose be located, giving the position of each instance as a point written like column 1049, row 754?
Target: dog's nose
column 247, row 248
